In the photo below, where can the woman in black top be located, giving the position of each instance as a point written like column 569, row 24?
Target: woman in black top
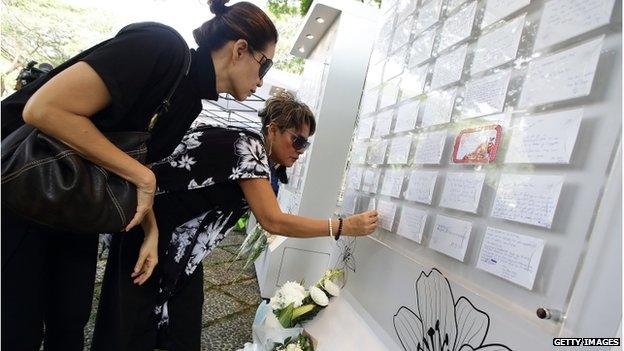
column 47, row 275
column 212, row 178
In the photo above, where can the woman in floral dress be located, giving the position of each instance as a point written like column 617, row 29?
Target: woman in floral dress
column 212, row 178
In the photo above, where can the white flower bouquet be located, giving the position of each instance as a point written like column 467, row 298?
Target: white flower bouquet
column 279, row 323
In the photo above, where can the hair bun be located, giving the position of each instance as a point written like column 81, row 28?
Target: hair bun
column 217, row 6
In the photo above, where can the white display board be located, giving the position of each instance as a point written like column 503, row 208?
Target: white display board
column 500, row 222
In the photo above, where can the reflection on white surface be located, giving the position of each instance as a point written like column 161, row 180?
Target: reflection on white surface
column 392, row 183
column 383, row 121
column 498, row 47
column 458, row 27
column 428, row 14
column 412, row 223
column 377, row 152
column 511, row 256
column 451, row 236
column 407, row 115
column 421, row 185
column 439, row 107
column 399, row 150
column 354, row 177
column 462, row 191
column 358, row 155
column 448, row 68
column 486, row 95
column 413, row 81
column 390, row 93
column 497, row 9
column 528, row 199
column 564, row 19
column 565, row 75
column 421, row 48
column 365, row 128
column 370, row 183
column 546, row 138
column 429, row 147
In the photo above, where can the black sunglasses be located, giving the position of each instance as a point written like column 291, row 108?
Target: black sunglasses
column 265, row 62
column 299, row 142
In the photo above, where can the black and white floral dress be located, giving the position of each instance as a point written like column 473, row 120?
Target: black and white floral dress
column 198, row 199
column 206, row 166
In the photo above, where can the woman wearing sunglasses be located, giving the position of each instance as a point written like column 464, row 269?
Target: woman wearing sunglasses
column 48, row 275
column 214, row 176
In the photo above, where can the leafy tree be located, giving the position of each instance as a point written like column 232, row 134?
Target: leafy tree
column 285, row 15
column 46, row 31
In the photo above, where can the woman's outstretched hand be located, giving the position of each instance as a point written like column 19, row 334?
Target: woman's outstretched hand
column 361, row 224
column 148, row 254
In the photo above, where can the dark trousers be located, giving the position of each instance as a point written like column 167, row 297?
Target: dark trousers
column 47, row 280
column 126, row 320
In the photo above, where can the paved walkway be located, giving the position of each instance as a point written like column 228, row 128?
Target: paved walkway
column 230, row 299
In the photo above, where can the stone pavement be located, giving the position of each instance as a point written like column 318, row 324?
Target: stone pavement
column 230, row 298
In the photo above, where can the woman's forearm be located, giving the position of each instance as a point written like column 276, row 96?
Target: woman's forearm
column 301, row 227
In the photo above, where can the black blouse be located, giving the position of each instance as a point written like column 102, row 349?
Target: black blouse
column 199, row 199
column 139, row 67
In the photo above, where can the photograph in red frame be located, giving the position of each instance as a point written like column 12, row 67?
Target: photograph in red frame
column 477, row 145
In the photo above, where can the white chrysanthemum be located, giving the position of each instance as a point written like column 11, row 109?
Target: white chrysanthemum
column 290, row 292
column 331, row 288
column 318, row 296
column 293, row 347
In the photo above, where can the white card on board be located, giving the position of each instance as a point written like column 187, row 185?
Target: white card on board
column 392, row 183
column 450, row 236
column 564, row 75
column 413, row 82
column 399, row 150
column 564, row 19
column 421, row 48
column 545, row 138
column 448, row 68
column 412, row 223
column 370, row 181
column 387, row 212
column 383, row 122
column 354, row 177
column 389, row 93
column 429, row 147
column 439, row 107
column 420, row 186
column 530, row 199
column 428, row 14
column 365, row 127
column 498, row 47
column 486, row 95
column 377, row 152
column 511, row 256
column 407, row 116
column 358, row 153
column 462, row 191
column 497, row 9
column 349, row 202
column 457, row 27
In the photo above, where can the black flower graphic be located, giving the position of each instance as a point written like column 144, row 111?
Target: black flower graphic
column 442, row 324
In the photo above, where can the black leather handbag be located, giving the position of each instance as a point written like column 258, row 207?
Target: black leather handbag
column 47, row 182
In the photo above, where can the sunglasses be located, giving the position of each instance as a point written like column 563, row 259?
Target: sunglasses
column 299, row 142
column 265, row 62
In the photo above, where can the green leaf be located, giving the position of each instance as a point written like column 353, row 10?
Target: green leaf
column 301, row 310
column 285, row 315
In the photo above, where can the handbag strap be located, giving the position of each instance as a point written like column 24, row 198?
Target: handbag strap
column 184, row 70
